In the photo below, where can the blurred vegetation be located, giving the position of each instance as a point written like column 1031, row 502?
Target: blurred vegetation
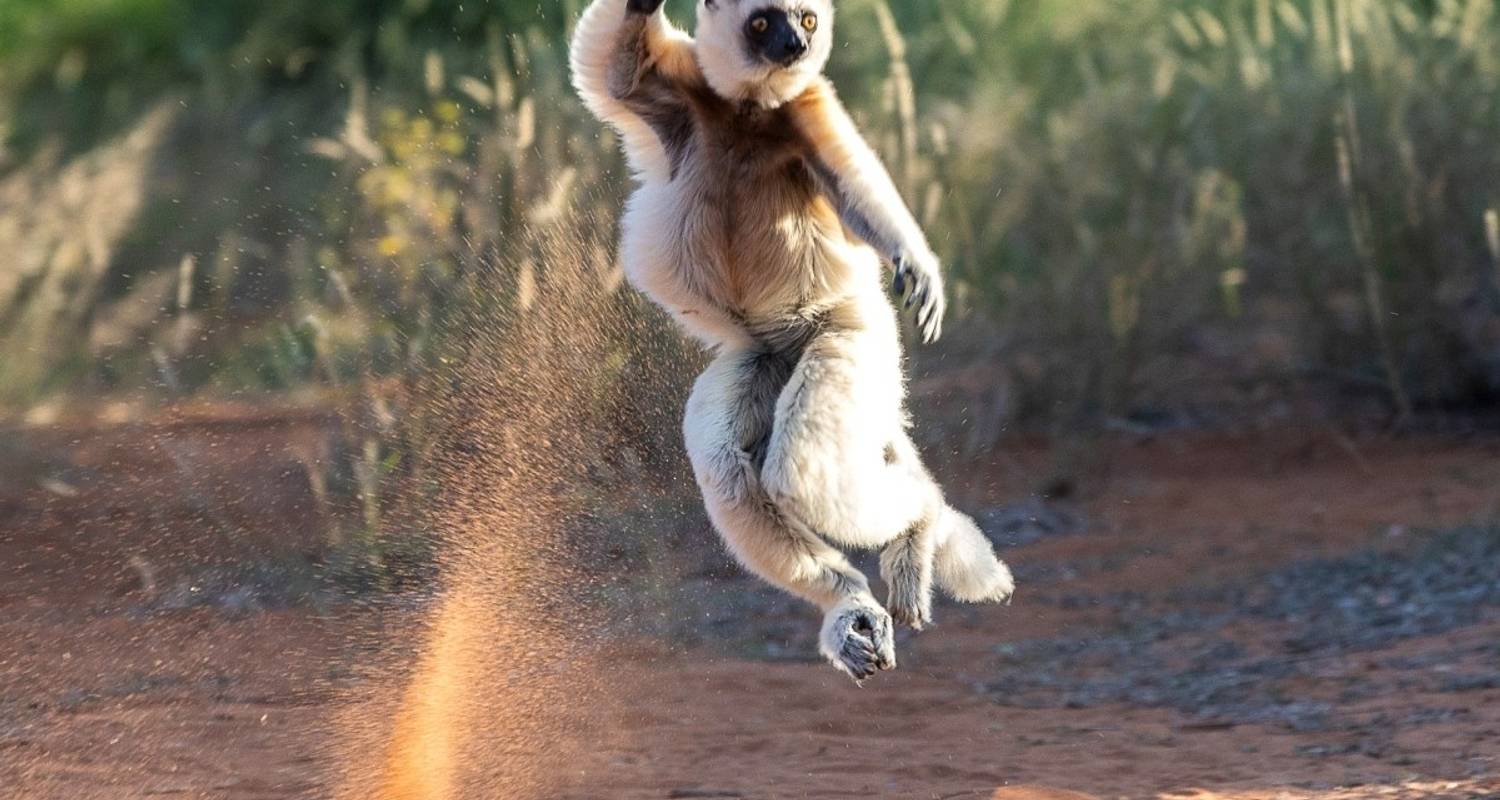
column 1148, row 206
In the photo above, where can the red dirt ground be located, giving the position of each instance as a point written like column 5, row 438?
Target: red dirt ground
column 99, row 699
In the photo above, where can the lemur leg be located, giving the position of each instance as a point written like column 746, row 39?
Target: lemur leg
column 840, row 461
column 944, row 544
column 960, row 557
column 729, row 417
column 828, row 464
column 906, row 561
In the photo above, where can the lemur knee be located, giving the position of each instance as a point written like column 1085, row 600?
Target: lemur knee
column 785, row 486
column 729, row 474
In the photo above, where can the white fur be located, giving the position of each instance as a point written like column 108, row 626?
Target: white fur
column 966, row 567
column 846, row 397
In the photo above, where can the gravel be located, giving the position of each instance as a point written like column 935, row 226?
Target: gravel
column 1325, row 610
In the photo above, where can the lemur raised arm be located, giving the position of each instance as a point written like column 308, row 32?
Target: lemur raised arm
column 760, row 223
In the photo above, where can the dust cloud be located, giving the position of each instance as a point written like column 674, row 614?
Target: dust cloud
column 508, row 690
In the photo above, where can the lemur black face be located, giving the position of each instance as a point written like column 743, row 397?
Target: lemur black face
column 781, row 36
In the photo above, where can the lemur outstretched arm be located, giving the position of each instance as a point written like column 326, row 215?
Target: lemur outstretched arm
column 631, row 67
column 869, row 203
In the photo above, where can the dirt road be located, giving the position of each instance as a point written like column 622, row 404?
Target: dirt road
column 1210, row 622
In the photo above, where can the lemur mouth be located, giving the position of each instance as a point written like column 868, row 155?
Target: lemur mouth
column 774, row 36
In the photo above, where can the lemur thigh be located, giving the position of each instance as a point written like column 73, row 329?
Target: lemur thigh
column 832, row 463
column 728, row 414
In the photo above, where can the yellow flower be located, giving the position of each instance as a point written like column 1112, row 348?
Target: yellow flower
column 391, row 246
column 447, row 111
column 452, row 143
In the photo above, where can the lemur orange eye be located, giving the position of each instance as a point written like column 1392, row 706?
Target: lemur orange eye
column 809, row 22
column 760, row 24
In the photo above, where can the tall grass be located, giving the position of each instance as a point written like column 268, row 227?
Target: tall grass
column 1148, row 205
column 1129, row 188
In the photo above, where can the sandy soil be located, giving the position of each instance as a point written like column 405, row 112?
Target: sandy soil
column 1104, row 679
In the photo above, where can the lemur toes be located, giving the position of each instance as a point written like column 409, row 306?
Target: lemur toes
column 910, row 612
column 909, row 599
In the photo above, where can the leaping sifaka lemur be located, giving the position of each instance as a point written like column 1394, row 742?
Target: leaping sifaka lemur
column 760, row 223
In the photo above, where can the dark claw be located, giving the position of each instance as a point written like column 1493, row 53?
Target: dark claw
column 859, row 657
column 899, row 285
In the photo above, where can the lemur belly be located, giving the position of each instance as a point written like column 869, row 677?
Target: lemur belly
column 755, row 236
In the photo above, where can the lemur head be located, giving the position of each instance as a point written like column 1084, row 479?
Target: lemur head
column 763, row 51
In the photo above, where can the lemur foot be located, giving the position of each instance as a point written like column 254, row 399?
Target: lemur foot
column 910, row 604
column 859, row 639
column 906, row 567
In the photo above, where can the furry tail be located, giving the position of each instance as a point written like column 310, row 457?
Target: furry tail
column 966, row 566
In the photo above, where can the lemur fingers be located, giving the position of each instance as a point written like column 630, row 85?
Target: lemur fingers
column 922, row 286
column 930, row 315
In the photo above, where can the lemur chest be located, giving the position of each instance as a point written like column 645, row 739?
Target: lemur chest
column 755, row 234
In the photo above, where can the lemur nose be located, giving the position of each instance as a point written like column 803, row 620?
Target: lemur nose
column 775, row 36
column 790, row 48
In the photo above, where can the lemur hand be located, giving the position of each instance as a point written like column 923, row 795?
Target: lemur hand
column 924, row 279
column 643, row 6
